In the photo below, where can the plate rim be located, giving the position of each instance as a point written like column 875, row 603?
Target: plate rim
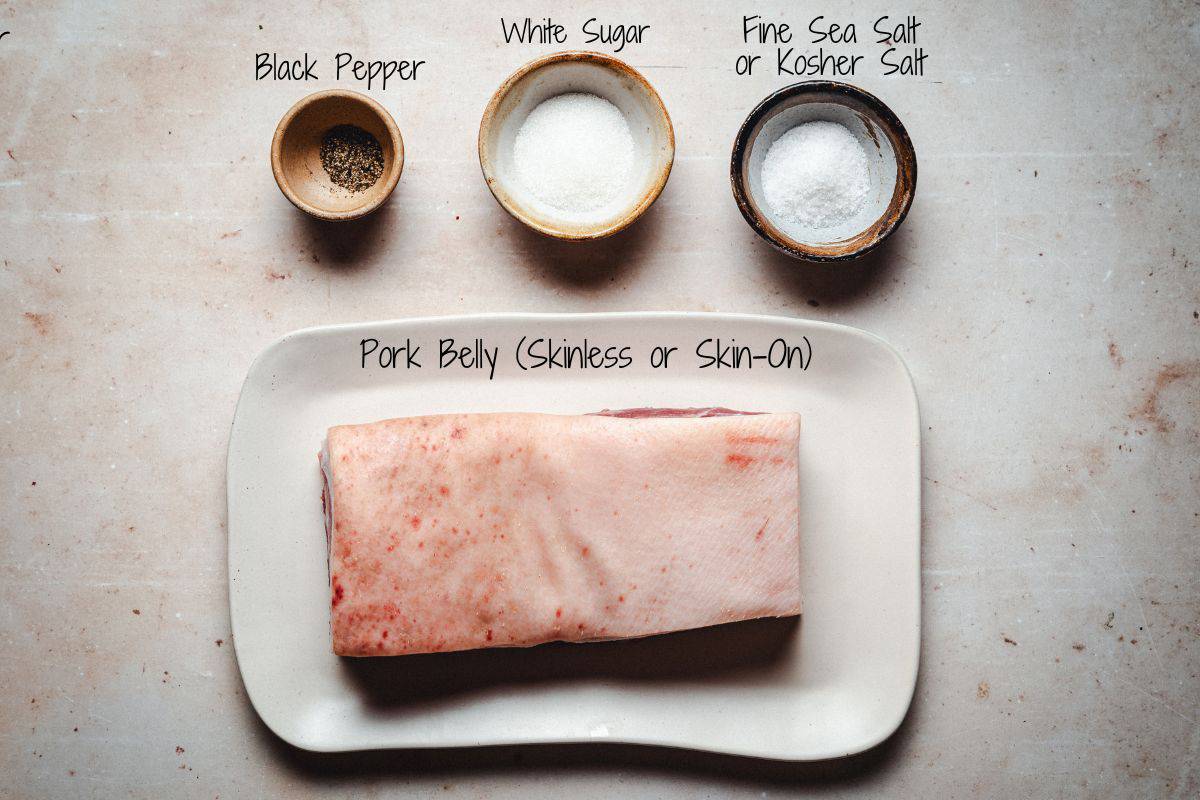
column 885, row 730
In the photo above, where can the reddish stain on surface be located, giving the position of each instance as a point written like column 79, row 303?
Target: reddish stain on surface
column 1114, row 353
column 339, row 591
column 558, row 613
column 489, row 634
column 1149, row 409
column 761, row 530
column 384, row 634
column 621, row 598
column 457, row 433
column 733, row 438
column 415, row 521
column 443, row 490
column 40, row 322
column 584, row 551
column 739, row 460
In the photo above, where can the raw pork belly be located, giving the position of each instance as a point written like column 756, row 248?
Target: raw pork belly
column 508, row 530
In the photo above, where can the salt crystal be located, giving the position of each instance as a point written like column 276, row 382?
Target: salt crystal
column 815, row 175
column 574, row 152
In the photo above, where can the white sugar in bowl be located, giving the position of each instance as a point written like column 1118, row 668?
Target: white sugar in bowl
column 592, row 85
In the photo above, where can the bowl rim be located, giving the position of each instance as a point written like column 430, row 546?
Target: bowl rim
column 906, row 170
column 603, row 60
column 365, row 208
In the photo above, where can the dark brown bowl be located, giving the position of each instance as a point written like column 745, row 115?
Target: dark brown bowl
column 812, row 100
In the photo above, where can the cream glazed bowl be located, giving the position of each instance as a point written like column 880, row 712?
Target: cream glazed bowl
column 563, row 73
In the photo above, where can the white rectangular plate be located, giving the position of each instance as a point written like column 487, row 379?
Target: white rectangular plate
column 836, row 682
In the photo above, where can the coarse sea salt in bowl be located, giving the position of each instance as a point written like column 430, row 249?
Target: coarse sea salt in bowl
column 824, row 171
column 576, row 145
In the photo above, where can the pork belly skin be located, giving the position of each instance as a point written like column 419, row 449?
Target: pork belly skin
column 465, row 531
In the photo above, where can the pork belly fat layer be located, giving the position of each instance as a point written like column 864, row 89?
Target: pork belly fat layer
column 483, row 530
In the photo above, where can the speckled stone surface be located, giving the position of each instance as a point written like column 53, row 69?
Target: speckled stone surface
column 1045, row 292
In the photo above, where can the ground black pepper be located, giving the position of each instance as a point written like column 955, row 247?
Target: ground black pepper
column 352, row 157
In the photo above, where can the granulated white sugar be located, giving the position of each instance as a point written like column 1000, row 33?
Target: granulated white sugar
column 815, row 175
column 574, row 152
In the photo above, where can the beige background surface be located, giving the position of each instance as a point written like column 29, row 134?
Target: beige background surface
column 1044, row 291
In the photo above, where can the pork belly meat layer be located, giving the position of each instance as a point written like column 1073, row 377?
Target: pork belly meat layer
column 486, row 530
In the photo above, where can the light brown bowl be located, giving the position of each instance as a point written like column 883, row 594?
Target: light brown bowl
column 560, row 73
column 296, row 154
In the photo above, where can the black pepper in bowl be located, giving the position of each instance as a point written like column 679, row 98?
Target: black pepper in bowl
column 352, row 157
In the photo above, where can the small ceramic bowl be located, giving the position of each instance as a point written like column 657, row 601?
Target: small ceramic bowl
column 891, row 164
column 296, row 154
column 561, row 73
